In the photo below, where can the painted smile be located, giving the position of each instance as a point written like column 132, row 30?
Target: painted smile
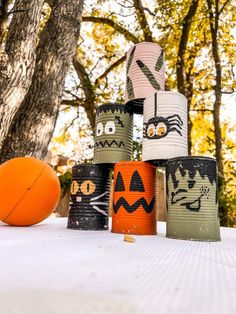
column 178, row 198
column 131, row 208
column 107, row 143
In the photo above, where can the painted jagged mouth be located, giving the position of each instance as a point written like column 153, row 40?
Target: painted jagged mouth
column 131, row 208
column 107, row 143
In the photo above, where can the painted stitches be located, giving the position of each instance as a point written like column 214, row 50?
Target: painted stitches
column 107, row 143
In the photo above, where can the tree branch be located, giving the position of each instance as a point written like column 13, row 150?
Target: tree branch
column 109, row 69
column 223, row 6
column 202, row 110
column 180, row 66
column 143, row 20
column 120, row 29
column 88, row 89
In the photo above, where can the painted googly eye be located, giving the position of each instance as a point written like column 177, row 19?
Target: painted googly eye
column 87, row 187
column 99, row 129
column 110, row 127
column 161, row 129
column 151, row 130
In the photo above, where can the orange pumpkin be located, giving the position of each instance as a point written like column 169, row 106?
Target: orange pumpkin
column 134, row 198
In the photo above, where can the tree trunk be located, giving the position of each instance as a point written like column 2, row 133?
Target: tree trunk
column 214, row 27
column 32, row 129
column 18, row 60
column 185, row 87
column 3, row 20
column 88, row 88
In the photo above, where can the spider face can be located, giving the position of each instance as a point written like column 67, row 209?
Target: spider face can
column 145, row 74
column 89, row 197
column 192, row 199
column 134, row 198
column 114, row 134
column 164, row 127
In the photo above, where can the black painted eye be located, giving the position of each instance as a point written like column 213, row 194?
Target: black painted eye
column 191, row 184
column 99, row 129
column 136, row 183
column 119, row 183
column 110, row 127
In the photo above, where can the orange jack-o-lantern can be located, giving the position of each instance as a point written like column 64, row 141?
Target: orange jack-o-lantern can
column 134, row 198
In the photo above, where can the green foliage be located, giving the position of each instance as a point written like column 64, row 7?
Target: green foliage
column 137, row 150
column 65, row 182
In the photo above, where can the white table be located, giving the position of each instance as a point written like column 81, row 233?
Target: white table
column 49, row 269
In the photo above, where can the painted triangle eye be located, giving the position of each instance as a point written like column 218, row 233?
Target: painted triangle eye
column 136, row 183
column 119, row 183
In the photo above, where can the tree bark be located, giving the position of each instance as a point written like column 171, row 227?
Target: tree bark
column 3, row 19
column 32, row 129
column 214, row 27
column 18, row 60
column 184, row 82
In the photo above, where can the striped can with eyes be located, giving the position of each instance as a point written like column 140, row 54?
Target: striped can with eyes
column 134, row 198
column 165, row 126
column 192, row 199
column 114, row 134
column 145, row 73
column 89, row 197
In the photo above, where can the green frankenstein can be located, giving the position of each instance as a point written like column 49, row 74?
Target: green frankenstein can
column 114, row 134
column 192, row 199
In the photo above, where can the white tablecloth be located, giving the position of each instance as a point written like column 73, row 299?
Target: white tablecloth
column 49, row 269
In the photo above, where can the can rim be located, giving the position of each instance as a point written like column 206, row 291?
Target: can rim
column 167, row 92
column 135, row 105
column 114, row 105
column 191, row 157
column 87, row 165
column 134, row 162
column 146, row 43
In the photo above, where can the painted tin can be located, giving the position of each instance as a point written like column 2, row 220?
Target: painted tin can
column 89, row 197
column 114, row 134
column 164, row 126
column 192, row 199
column 145, row 73
column 134, row 198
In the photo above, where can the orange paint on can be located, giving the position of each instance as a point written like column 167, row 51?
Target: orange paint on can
column 134, row 198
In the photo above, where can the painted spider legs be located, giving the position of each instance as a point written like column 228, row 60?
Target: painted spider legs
column 159, row 127
column 175, row 123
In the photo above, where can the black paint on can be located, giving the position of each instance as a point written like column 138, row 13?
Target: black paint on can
column 192, row 200
column 89, row 197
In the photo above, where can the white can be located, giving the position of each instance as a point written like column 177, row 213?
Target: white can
column 165, row 129
column 145, row 73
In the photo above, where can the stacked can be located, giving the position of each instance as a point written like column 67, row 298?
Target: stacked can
column 134, row 198
column 165, row 126
column 145, row 74
column 89, row 199
column 192, row 199
column 114, row 134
